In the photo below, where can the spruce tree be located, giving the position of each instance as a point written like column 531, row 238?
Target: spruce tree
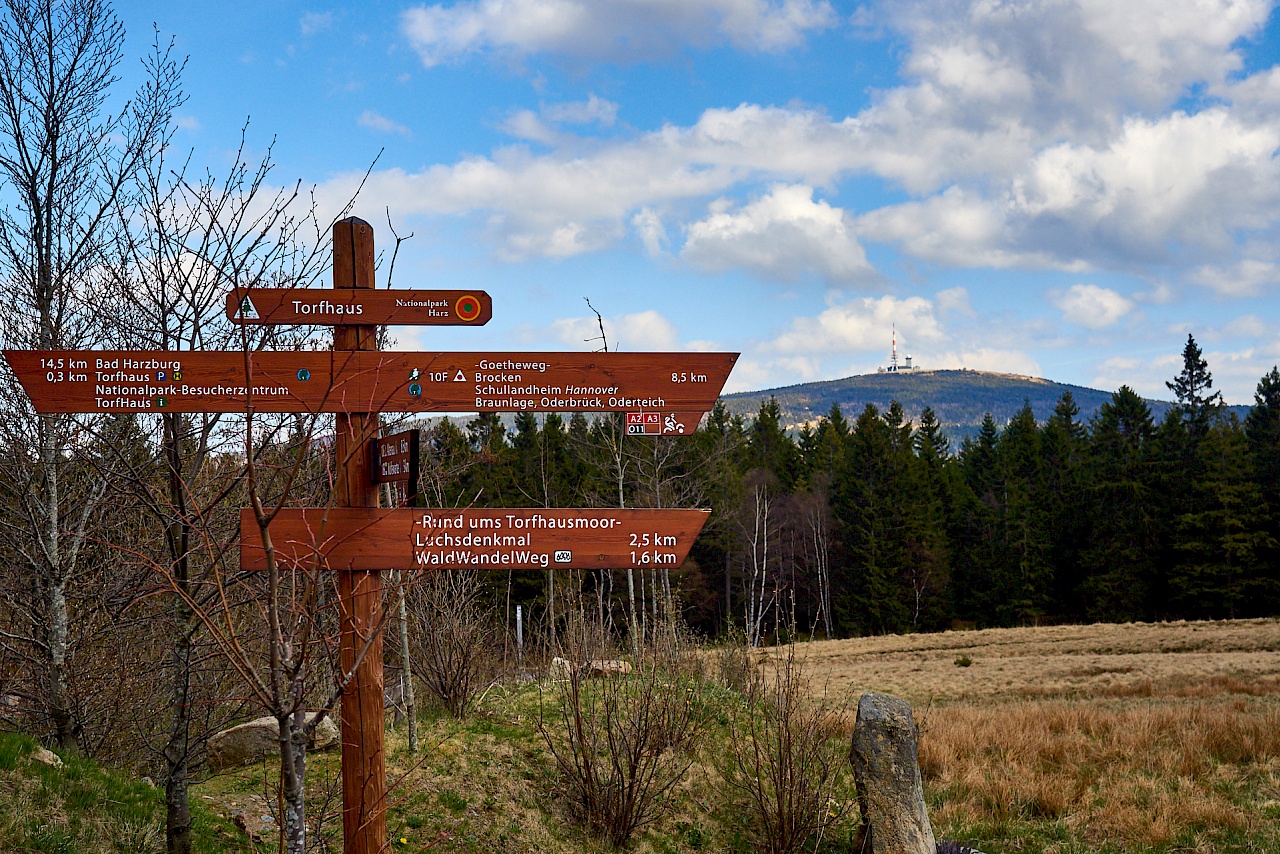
column 930, row 442
column 769, row 446
column 929, row 507
column 869, row 499
column 975, row 526
column 1062, row 442
column 1262, row 430
column 1119, row 562
column 824, row 454
column 1024, row 575
column 1224, row 540
column 1191, row 389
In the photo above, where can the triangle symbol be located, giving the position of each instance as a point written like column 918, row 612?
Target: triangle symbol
column 247, row 309
column 459, row 377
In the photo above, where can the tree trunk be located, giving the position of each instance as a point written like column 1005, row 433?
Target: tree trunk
column 177, row 751
column 406, row 670
column 293, row 775
column 60, row 714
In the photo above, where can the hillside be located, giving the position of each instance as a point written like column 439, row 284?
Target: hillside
column 960, row 398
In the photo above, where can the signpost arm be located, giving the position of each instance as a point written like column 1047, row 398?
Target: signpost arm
column 360, row 592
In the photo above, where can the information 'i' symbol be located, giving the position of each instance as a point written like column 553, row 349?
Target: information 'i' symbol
column 467, row 307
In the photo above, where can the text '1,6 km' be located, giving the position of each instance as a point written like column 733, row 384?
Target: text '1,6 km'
column 474, row 538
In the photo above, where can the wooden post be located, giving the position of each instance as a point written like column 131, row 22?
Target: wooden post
column 364, row 807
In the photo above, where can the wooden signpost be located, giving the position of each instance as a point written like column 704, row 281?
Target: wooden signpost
column 661, row 394
column 364, row 766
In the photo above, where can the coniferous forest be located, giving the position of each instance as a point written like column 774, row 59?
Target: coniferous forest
column 870, row 523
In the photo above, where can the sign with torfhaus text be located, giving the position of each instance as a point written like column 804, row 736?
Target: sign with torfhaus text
column 372, row 381
column 268, row 306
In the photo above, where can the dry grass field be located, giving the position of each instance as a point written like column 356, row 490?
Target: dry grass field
column 1107, row 739
column 1130, row 739
column 1057, row 661
column 1140, row 737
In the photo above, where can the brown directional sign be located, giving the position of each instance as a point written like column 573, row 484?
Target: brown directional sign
column 395, row 460
column 675, row 384
column 370, row 538
column 367, row 306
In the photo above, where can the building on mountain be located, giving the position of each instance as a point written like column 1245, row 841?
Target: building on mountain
column 894, row 367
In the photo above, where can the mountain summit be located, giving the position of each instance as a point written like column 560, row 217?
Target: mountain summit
column 960, row 398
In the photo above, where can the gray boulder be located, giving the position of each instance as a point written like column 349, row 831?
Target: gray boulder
column 603, row 668
column 46, row 757
column 250, row 742
column 887, row 773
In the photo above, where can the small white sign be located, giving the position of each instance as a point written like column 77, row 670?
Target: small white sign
column 563, row 556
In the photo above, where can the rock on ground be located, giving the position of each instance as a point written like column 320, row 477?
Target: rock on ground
column 46, row 757
column 258, row 738
column 605, row 669
column 887, row 773
column 561, row 670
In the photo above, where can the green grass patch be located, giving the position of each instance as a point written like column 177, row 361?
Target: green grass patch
column 82, row 808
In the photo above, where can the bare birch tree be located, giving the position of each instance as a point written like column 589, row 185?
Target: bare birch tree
column 188, row 244
column 758, row 530
column 67, row 160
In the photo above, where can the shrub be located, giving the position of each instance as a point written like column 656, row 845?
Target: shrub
column 453, row 636
column 786, row 767
column 621, row 745
column 737, row 667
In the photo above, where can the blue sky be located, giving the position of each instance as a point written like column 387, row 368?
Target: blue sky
column 1059, row 188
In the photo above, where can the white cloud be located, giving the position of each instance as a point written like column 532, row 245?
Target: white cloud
column 527, row 124
column 1071, row 64
column 1034, row 135
column 653, row 234
column 862, row 325
column 955, row 228
column 1092, row 306
column 594, row 110
column 1235, row 372
column 1182, row 186
column 1245, row 329
column 644, row 330
column 540, row 126
column 190, row 123
column 527, row 198
column 1243, row 278
column 315, row 22
column 375, row 121
column 781, row 236
column 954, row 301
column 1189, row 179
column 614, row 30
column 983, row 359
